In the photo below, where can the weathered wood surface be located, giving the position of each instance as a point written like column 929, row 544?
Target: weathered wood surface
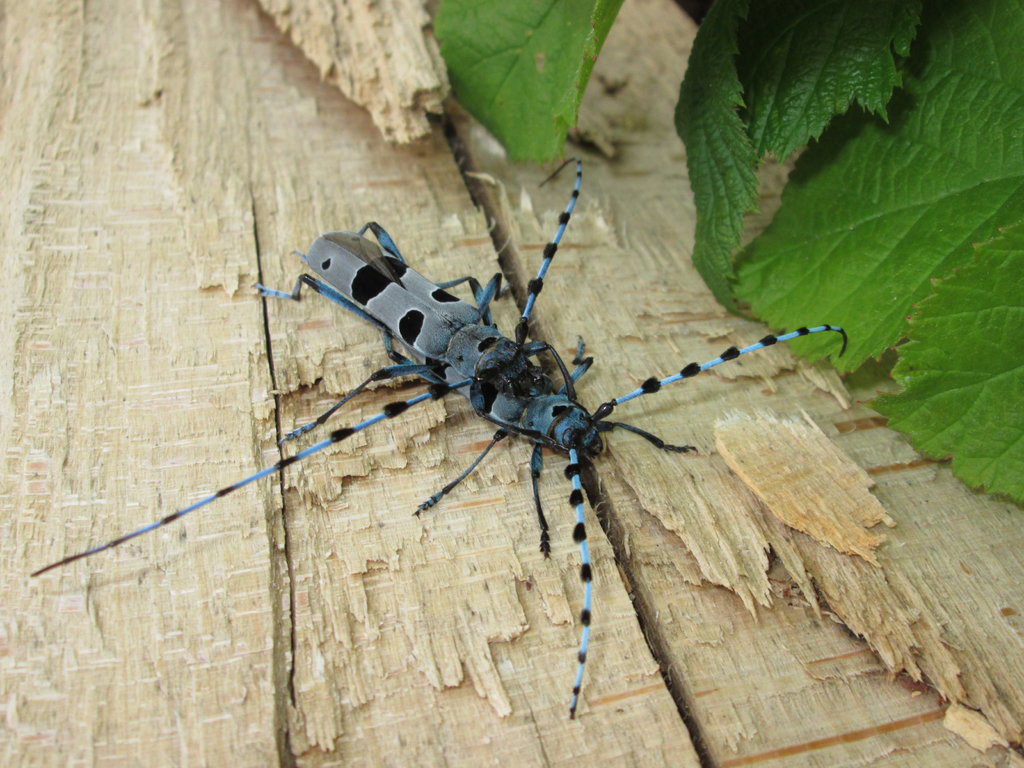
column 380, row 53
column 785, row 687
column 160, row 157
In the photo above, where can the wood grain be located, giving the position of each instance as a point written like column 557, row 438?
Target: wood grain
column 765, row 674
column 380, row 54
column 804, row 480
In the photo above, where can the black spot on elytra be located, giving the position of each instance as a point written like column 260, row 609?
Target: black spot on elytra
column 325, row 264
column 410, row 326
column 440, row 294
column 368, row 284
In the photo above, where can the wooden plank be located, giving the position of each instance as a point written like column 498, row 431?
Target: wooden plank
column 161, row 158
column 764, row 673
column 164, row 159
column 131, row 392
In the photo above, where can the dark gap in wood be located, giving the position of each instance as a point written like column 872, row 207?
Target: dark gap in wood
column 646, row 615
column 483, row 197
column 283, row 665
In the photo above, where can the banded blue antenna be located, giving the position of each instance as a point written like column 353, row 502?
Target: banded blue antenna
column 436, row 392
column 579, row 535
column 653, row 384
column 535, row 286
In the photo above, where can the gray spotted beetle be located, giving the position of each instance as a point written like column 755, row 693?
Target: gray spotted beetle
column 455, row 347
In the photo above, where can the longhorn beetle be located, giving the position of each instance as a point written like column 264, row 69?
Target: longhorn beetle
column 455, row 346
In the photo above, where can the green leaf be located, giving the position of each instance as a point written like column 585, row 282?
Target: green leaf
column 720, row 156
column 963, row 370
column 874, row 212
column 521, row 66
column 804, row 61
column 800, row 63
